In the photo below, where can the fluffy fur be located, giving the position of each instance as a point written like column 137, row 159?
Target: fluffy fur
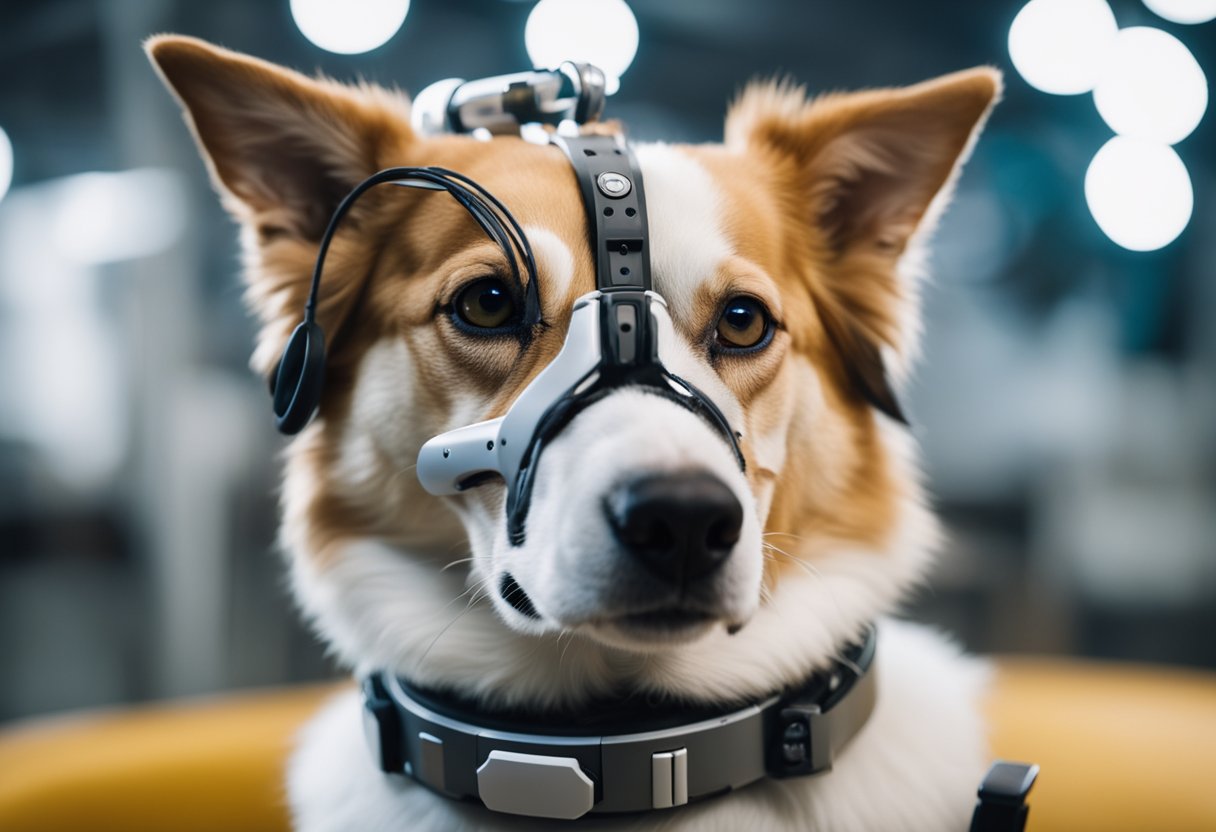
column 816, row 208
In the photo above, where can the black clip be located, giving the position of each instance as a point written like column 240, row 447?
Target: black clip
column 1002, row 804
column 800, row 744
column 381, row 726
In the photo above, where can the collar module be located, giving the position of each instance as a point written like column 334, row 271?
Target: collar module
column 546, row 768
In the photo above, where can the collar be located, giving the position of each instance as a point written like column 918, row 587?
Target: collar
column 626, row 756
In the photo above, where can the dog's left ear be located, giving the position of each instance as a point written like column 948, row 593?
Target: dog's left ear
column 282, row 148
column 866, row 170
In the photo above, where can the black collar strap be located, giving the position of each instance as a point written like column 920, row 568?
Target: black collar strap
column 631, row 761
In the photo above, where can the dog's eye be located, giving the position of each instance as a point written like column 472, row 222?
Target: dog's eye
column 744, row 323
column 485, row 304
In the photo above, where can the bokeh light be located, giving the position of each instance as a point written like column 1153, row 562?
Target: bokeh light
column 109, row 217
column 1184, row 11
column 6, row 163
column 1139, row 193
column 1059, row 46
column 601, row 32
column 349, row 27
column 1151, row 87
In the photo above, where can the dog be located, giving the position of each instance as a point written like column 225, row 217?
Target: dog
column 789, row 256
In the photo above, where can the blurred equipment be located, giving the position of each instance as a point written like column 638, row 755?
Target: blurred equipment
column 572, row 92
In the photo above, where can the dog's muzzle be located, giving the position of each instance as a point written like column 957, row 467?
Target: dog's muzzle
column 607, row 348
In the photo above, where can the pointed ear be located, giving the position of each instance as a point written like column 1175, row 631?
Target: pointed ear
column 866, row 170
column 283, row 149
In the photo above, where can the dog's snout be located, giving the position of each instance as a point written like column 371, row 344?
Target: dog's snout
column 680, row 526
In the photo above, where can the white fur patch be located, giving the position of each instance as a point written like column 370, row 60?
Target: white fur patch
column 554, row 260
column 684, row 210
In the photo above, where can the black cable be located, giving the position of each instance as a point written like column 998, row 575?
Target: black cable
column 532, row 290
column 485, row 209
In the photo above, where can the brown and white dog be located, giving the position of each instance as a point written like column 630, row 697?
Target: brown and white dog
column 812, row 213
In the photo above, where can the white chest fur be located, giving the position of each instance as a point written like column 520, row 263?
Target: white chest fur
column 914, row 766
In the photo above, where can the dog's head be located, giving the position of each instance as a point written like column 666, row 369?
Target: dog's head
column 784, row 255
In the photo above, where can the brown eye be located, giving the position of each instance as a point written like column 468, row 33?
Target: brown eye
column 485, row 304
column 744, row 323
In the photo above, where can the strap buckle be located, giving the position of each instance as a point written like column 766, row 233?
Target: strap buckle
column 1002, row 797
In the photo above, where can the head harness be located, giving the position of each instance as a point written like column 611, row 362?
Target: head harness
column 620, row 335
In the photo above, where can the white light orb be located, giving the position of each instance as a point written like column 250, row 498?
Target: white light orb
column 599, row 32
column 1059, row 46
column 349, row 27
column 123, row 215
column 1184, row 11
column 1139, row 193
column 1151, row 87
column 6, row 163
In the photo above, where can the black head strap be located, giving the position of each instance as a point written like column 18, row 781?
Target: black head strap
column 611, row 183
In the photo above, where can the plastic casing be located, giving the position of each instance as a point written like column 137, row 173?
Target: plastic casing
column 498, row 445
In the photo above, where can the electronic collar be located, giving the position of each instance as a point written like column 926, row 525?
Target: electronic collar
column 641, row 757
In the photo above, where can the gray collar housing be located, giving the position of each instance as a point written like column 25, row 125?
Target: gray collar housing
column 637, row 759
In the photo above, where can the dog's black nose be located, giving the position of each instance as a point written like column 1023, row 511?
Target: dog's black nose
column 681, row 526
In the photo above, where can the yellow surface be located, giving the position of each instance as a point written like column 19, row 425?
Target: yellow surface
column 208, row 765
column 1122, row 748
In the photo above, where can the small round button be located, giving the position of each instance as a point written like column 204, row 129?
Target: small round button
column 795, row 731
column 613, row 185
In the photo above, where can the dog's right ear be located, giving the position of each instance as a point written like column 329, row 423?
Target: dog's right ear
column 282, row 148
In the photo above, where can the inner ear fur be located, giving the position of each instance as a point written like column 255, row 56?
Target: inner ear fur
column 865, row 170
column 282, row 148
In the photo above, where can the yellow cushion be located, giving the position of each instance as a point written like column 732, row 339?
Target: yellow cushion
column 1122, row 748
column 206, row 765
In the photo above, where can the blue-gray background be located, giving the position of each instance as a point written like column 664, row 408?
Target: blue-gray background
column 1066, row 401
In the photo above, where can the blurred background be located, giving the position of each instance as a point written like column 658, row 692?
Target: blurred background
column 1066, row 401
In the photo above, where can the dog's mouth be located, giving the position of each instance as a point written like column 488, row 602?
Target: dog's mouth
column 667, row 624
column 663, row 622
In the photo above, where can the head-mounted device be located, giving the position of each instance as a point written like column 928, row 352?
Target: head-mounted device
column 620, row 335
